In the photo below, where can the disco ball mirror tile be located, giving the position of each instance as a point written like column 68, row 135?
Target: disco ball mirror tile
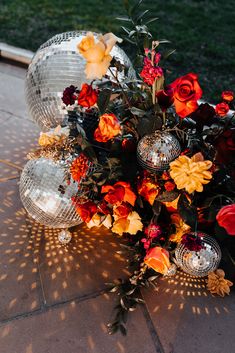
column 40, row 184
column 55, row 66
column 156, row 151
column 199, row 263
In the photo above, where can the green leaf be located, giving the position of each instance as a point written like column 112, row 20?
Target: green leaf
column 136, row 6
column 168, row 53
column 157, row 206
column 123, row 18
column 167, row 196
column 125, row 29
column 187, row 212
column 137, row 111
column 141, row 15
column 122, row 330
column 103, row 100
column 151, row 20
column 148, row 124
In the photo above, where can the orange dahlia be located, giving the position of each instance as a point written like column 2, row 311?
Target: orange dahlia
column 79, row 167
column 191, row 173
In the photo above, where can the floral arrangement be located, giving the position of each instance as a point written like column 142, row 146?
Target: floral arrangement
column 155, row 210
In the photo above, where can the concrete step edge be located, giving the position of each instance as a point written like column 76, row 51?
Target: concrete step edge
column 19, row 55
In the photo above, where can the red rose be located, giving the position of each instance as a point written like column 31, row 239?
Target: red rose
column 86, row 210
column 227, row 96
column 226, row 218
column 186, row 92
column 222, row 109
column 87, row 96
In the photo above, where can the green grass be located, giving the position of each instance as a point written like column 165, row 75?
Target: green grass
column 202, row 31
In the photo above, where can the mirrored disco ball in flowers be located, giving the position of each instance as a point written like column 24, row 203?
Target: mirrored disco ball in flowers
column 56, row 65
column 46, row 195
column 199, row 263
column 156, row 151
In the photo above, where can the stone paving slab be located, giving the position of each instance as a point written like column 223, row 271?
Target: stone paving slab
column 188, row 319
column 17, row 138
column 12, row 97
column 19, row 289
column 82, row 267
column 76, row 327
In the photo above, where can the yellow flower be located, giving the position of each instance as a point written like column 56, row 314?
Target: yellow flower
column 191, row 173
column 54, row 135
column 132, row 224
column 97, row 221
column 97, row 54
column 181, row 228
column 217, row 284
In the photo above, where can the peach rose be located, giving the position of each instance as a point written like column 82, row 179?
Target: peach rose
column 108, row 128
column 96, row 53
column 158, row 259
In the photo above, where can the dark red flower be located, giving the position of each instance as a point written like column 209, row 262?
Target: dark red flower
column 222, row 109
column 165, row 98
column 204, row 115
column 87, row 96
column 228, row 96
column 69, row 96
column 153, row 231
column 192, row 241
column 129, row 145
column 225, row 147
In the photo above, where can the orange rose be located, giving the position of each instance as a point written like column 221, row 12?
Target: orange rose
column 122, row 211
column 148, row 189
column 186, row 92
column 222, row 109
column 227, row 96
column 87, row 96
column 120, row 191
column 108, row 128
column 158, row 259
column 226, row 218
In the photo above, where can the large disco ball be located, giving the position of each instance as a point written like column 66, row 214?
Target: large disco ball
column 156, row 151
column 46, row 195
column 55, row 66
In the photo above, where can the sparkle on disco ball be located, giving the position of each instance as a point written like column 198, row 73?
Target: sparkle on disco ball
column 156, row 151
column 64, row 236
column 55, row 66
column 199, row 263
column 46, row 195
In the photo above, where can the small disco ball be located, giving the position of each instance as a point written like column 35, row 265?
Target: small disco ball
column 56, row 65
column 199, row 263
column 64, row 237
column 46, row 195
column 156, row 151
